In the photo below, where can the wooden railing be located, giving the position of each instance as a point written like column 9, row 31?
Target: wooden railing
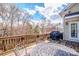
column 11, row 42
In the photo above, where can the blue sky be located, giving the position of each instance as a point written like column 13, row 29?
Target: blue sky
column 29, row 5
column 38, row 15
column 32, row 6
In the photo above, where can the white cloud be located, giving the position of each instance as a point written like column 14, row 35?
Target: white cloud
column 44, row 11
column 56, row 21
column 31, row 11
column 39, row 8
column 47, row 11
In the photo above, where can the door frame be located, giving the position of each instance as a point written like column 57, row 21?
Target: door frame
column 70, row 30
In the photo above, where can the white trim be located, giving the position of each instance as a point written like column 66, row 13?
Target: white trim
column 70, row 38
column 70, row 30
column 71, row 16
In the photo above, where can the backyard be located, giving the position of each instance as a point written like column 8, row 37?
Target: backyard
column 26, row 29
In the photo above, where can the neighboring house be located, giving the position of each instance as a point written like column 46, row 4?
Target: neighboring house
column 71, row 22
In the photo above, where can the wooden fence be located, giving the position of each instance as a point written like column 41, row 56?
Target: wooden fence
column 10, row 42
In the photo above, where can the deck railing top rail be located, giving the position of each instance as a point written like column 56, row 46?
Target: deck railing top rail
column 23, row 35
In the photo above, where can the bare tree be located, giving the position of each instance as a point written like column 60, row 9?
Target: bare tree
column 12, row 16
column 9, row 13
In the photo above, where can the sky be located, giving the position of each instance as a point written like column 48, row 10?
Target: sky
column 40, row 11
column 31, row 9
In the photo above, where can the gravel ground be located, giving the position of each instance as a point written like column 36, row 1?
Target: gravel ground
column 51, row 49
column 45, row 49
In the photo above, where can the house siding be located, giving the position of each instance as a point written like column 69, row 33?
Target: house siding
column 67, row 29
column 75, row 8
column 68, row 20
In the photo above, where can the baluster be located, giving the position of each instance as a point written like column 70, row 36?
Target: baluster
column 6, row 45
column 35, row 38
column 7, row 41
column 13, row 43
column 20, row 42
column 27, row 40
column 3, row 45
column 24, row 40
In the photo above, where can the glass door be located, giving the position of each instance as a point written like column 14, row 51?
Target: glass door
column 74, row 31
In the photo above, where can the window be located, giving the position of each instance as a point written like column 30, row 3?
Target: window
column 74, row 30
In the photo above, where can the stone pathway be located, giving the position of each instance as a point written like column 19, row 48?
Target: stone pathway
column 46, row 49
column 52, row 49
